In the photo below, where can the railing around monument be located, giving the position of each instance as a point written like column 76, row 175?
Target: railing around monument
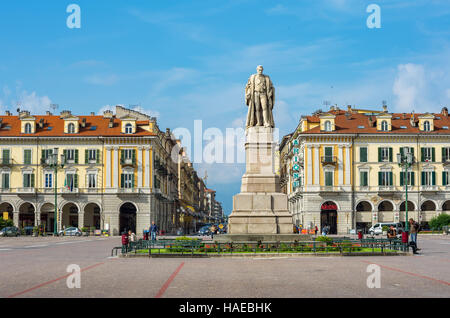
column 198, row 248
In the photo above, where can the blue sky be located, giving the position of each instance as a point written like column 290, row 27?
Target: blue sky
column 188, row 60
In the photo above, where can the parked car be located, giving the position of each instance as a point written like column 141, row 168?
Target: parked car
column 10, row 231
column 28, row 230
column 70, row 231
column 204, row 230
column 377, row 229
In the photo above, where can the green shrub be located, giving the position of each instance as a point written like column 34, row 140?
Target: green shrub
column 385, row 228
column 437, row 222
column 6, row 223
column 325, row 239
column 185, row 238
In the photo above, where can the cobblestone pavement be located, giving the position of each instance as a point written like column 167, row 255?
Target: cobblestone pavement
column 37, row 267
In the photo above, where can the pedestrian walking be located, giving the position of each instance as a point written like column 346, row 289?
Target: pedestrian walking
column 414, row 228
column 325, row 230
column 145, row 234
column 212, row 229
column 316, row 229
column 154, row 230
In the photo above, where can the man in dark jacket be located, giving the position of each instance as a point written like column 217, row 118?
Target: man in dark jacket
column 154, row 230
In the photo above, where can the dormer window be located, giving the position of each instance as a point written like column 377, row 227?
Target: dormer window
column 327, row 125
column 426, row 126
column 128, row 128
column 27, row 128
column 384, row 125
column 71, row 128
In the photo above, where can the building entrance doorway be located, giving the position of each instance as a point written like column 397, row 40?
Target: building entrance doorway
column 328, row 217
column 127, row 219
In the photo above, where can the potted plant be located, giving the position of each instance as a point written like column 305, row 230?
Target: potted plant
column 36, row 231
column 385, row 229
column 85, row 232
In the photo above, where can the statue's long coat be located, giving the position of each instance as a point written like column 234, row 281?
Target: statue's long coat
column 250, row 101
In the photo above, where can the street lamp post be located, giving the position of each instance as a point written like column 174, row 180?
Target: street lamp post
column 53, row 163
column 405, row 160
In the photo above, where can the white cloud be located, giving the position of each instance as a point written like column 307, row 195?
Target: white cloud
column 104, row 80
column 409, row 86
column 33, row 103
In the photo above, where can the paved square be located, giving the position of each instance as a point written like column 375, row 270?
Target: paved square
column 36, row 267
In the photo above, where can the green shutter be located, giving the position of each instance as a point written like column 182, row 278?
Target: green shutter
column 24, row 181
column 133, row 158
column 413, row 178
column 390, row 179
column 443, row 154
column 433, row 176
column 363, row 154
column 422, row 155
column 379, row 178
column 86, row 156
column 390, row 154
column 75, row 183
column 122, row 181
column 411, row 150
column 444, row 178
column 43, row 154
column 433, row 155
column 32, row 181
column 76, row 155
column 97, row 154
column 379, row 154
column 402, row 151
column 65, row 154
column 423, row 178
column 122, row 155
column 132, row 181
column 6, row 181
column 402, row 178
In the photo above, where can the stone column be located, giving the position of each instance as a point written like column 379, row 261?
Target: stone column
column 347, row 166
column 140, row 171
column 148, row 173
column 116, row 168
column 316, row 166
column 16, row 218
column 340, row 165
column 37, row 218
column 108, row 167
column 309, row 166
column 80, row 219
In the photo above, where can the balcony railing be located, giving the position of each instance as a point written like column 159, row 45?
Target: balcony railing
column 328, row 159
column 431, row 188
column 26, row 190
column 69, row 191
column 330, row 188
column 128, row 190
column 127, row 162
column 386, row 188
column 6, row 162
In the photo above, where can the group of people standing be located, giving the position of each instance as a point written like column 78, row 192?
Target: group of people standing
column 128, row 238
column 414, row 229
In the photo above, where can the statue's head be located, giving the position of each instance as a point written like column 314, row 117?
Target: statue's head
column 259, row 69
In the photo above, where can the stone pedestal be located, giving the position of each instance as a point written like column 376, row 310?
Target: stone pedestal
column 260, row 208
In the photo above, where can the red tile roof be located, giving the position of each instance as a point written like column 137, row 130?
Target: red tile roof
column 57, row 127
column 350, row 125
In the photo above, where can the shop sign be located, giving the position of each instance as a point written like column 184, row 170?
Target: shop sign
column 329, row 207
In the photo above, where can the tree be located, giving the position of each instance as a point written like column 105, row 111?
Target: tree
column 438, row 222
column 5, row 223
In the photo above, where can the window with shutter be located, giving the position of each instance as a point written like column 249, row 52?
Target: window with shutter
column 363, row 154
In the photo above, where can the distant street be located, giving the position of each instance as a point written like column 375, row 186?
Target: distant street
column 36, row 267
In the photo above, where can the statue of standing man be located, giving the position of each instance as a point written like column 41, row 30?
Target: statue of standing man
column 260, row 99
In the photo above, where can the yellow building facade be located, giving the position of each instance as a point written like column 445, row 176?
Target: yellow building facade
column 340, row 168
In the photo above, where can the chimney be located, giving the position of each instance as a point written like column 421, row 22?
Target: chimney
column 385, row 109
column 92, row 113
column 370, row 121
column 444, row 112
column 348, row 115
column 349, row 109
column 83, row 123
column 8, row 113
column 48, row 113
column 107, row 114
column 41, row 123
column 404, row 115
column 1, row 122
column 111, row 123
column 65, row 113
column 412, row 120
